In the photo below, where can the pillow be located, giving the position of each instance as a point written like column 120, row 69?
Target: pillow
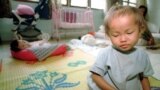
column 25, row 55
column 28, row 55
column 61, row 49
column 24, row 10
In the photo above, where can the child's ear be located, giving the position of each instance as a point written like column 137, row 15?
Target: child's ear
column 142, row 30
column 140, row 33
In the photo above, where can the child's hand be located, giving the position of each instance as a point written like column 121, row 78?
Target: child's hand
column 45, row 38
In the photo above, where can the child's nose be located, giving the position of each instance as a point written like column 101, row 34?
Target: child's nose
column 123, row 38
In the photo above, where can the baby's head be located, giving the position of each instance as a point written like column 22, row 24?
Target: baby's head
column 124, row 25
column 88, row 39
column 143, row 10
column 17, row 45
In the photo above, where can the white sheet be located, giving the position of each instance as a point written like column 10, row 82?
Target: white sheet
column 155, row 61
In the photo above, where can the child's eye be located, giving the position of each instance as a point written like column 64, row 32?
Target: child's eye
column 115, row 35
column 130, row 32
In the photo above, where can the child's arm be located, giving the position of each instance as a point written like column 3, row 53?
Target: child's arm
column 145, row 83
column 101, row 83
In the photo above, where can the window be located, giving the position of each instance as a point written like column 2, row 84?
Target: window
column 97, row 4
column 80, row 3
column 64, row 2
column 129, row 2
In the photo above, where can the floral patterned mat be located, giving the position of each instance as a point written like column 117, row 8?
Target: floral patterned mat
column 55, row 73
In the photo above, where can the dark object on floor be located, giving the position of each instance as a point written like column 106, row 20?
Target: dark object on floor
column 155, row 88
column 79, row 37
column 5, row 10
column 0, row 40
column 154, row 47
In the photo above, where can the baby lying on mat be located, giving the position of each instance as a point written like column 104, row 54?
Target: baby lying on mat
column 36, row 51
column 98, row 38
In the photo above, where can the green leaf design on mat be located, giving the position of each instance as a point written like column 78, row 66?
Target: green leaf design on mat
column 77, row 63
column 44, row 80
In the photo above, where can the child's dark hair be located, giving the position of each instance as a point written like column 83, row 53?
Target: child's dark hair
column 14, row 46
column 145, row 9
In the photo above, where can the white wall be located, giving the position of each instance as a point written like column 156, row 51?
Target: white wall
column 154, row 11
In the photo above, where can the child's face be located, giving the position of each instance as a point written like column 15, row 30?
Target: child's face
column 22, row 44
column 124, row 32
